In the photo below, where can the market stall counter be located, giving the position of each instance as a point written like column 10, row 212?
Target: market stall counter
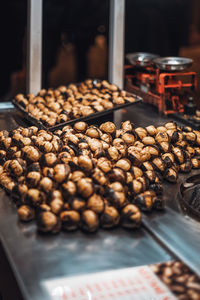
column 34, row 258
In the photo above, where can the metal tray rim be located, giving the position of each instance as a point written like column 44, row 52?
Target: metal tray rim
column 39, row 124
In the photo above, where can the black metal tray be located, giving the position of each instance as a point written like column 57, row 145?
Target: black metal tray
column 95, row 115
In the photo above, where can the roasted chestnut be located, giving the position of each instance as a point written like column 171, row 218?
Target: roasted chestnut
column 61, row 172
column 80, row 126
column 95, row 144
column 85, row 187
column 108, row 127
column 56, row 194
column 197, row 151
column 77, row 204
column 153, row 150
column 147, row 165
column 110, row 217
column 128, row 138
column 161, row 129
column 168, row 158
column 106, row 137
column 145, row 155
column 113, row 153
column 151, row 176
column 190, row 137
column 129, row 177
column 7, row 182
column 156, row 187
column 49, row 159
column 2, row 156
column 70, row 220
column 144, row 180
column 120, row 145
column 130, row 216
column 26, row 213
column 19, row 191
column 171, row 174
column 196, row 162
column 34, row 197
column 48, row 222
column 146, row 200
column 116, row 186
column 141, row 132
column 76, row 176
column 85, row 162
column 46, row 184
column 136, row 172
column 34, row 167
column 178, row 154
column 164, row 147
column 104, row 164
column 56, row 205
column 136, row 186
column 96, row 203
column 186, row 166
column 162, row 137
column 43, row 207
column 123, row 164
column 171, row 125
column 115, row 198
column 190, row 150
column 33, row 178
column 17, row 166
column 69, row 189
column 99, row 177
column 89, row 221
column 48, row 172
column 93, row 132
column 31, row 153
column 151, row 130
column 127, row 126
column 134, row 155
column 117, row 174
column 159, row 164
column 148, row 140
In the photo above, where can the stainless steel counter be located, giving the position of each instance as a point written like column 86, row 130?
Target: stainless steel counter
column 35, row 257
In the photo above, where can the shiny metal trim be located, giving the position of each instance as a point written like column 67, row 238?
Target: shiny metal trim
column 34, row 46
column 173, row 63
column 6, row 105
column 141, row 59
column 116, row 47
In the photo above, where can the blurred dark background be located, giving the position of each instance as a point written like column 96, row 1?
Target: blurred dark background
column 75, row 37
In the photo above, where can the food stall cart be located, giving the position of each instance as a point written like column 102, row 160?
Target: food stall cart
column 30, row 260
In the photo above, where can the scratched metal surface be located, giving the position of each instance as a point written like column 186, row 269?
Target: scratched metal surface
column 35, row 257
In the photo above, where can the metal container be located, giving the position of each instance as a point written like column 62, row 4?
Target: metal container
column 93, row 118
column 141, row 59
column 172, row 63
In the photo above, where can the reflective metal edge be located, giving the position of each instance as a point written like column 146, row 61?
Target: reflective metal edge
column 179, row 234
column 6, row 105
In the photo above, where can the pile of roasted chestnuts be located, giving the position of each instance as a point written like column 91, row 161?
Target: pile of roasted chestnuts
column 183, row 282
column 89, row 177
column 52, row 107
